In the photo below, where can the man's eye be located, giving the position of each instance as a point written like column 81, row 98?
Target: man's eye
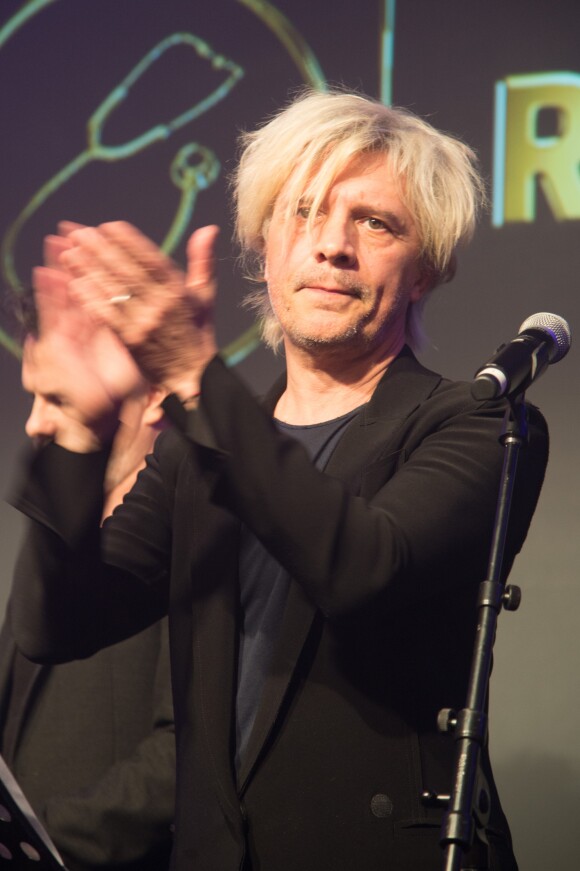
column 376, row 224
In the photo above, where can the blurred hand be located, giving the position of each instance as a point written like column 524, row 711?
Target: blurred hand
column 79, row 372
column 163, row 316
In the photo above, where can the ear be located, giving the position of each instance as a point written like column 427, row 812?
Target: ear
column 422, row 286
column 153, row 414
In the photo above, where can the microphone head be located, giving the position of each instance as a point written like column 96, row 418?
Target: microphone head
column 555, row 327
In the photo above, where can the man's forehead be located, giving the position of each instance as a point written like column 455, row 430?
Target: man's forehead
column 359, row 166
column 367, row 162
column 41, row 366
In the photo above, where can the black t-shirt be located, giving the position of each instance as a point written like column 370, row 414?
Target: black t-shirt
column 264, row 587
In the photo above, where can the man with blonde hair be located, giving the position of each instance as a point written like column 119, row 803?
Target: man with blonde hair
column 319, row 553
column 318, row 137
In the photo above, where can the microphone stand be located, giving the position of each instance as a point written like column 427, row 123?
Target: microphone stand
column 469, row 801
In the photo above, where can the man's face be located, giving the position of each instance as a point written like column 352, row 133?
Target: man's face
column 64, row 402
column 69, row 401
column 348, row 283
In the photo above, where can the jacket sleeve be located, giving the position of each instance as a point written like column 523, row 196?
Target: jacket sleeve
column 75, row 584
column 424, row 526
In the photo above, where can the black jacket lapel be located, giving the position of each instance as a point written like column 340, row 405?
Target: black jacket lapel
column 371, row 438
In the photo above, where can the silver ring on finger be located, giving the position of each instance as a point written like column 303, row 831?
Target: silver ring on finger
column 121, row 297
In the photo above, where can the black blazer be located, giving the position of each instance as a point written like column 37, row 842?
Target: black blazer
column 90, row 743
column 386, row 549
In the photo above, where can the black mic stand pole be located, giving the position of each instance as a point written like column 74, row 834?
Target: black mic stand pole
column 469, row 800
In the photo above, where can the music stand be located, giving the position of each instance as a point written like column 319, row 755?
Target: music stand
column 24, row 842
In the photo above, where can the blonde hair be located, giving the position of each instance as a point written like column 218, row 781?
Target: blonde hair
column 307, row 145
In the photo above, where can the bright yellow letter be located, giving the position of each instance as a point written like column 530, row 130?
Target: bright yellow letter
column 523, row 158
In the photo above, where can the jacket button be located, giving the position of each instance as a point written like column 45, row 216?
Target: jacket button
column 381, row 805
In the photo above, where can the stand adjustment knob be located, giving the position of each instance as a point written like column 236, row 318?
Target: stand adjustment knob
column 446, row 720
column 512, row 597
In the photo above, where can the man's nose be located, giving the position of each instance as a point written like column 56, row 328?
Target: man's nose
column 40, row 425
column 333, row 242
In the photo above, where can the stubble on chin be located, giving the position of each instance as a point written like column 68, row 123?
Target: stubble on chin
column 341, row 329
column 301, row 327
column 324, row 339
column 328, row 331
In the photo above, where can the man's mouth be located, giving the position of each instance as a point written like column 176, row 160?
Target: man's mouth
column 331, row 289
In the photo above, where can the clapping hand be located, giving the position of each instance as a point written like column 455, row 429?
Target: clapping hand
column 163, row 316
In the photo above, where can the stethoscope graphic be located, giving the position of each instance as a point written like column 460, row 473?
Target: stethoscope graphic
column 195, row 166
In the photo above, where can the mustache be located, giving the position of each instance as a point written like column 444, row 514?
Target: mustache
column 341, row 280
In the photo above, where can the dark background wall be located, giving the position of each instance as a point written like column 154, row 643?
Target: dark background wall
column 61, row 59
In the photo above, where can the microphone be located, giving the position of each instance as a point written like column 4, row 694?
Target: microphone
column 542, row 339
